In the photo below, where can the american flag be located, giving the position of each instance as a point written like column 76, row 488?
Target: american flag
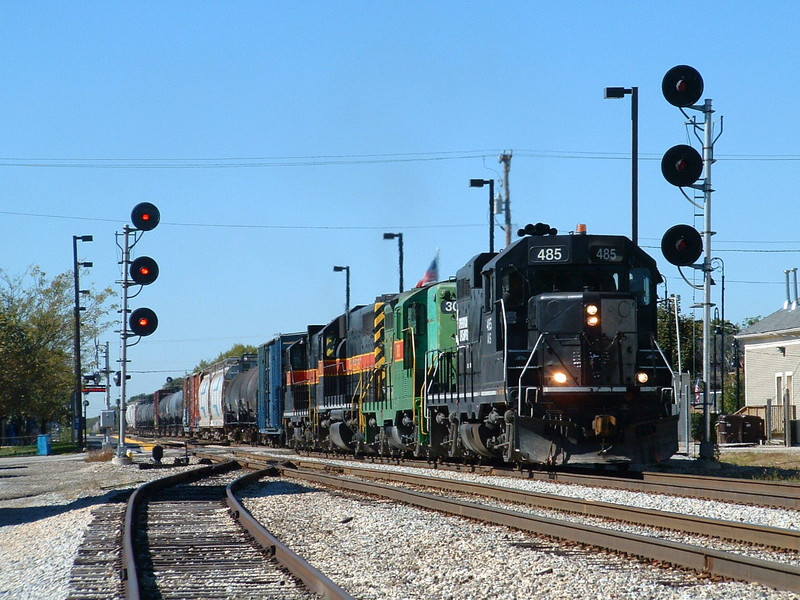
column 432, row 274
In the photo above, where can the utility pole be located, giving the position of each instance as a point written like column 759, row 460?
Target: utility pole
column 505, row 159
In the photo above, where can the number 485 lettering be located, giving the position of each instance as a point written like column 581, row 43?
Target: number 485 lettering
column 549, row 254
column 606, row 254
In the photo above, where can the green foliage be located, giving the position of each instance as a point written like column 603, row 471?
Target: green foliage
column 698, row 426
column 234, row 351
column 37, row 329
column 175, row 385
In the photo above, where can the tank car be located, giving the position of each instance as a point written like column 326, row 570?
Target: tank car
column 556, row 360
column 213, row 385
column 240, row 401
column 169, row 412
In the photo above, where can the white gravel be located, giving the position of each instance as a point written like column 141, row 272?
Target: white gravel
column 382, row 550
column 45, row 506
column 377, row 550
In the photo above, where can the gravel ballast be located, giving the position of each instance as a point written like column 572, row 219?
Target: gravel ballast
column 375, row 549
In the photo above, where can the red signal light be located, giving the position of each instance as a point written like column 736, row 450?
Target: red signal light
column 145, row 216
column 682, row 86
column 144, row 270
column 143, row 321
column 681, row 245
column 682, row 165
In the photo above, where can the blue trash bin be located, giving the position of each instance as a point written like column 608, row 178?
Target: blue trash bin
column 45, row 445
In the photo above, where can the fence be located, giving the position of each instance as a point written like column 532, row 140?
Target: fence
column 774, row 417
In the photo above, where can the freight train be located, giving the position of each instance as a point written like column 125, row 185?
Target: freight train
column 543, row 353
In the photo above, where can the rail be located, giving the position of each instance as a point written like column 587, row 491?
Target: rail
column 785, row 539
column 312, row 577
column 696, row 558
column 130, row 571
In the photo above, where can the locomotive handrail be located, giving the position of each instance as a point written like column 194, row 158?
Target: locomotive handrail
column 663, row 356
column 505, row 349
column 525, row 368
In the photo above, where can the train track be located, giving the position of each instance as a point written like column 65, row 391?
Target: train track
column 746, row 533
column 180, row 541
column 711, row 562
column 723, row 489
column 774, row 574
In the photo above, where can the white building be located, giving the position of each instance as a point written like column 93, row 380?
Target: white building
column 771, row 360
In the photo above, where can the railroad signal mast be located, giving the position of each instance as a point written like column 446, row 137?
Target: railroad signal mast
column 142, row 321
column 682, row 245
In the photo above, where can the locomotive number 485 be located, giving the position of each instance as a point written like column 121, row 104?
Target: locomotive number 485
column 549, row 254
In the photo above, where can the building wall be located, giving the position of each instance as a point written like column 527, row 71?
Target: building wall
column 770, row 367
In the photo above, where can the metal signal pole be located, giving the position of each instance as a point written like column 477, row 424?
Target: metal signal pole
column 121, row 458
column 706, row 446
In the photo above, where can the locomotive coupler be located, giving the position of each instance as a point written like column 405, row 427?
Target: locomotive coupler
column 493, row 419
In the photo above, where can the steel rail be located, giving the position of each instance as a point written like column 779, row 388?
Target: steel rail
column 312, row 577
column 723, row 489
column 773, row 494
column 704, row 560
column 129, row 573
column 775, row 537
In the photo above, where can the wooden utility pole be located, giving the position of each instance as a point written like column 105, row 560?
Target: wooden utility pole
column 505, row 158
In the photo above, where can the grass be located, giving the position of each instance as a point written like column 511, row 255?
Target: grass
column 775, row 466
column 100, row 455
column 57, row 448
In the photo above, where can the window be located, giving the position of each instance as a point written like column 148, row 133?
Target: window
column 640, row 284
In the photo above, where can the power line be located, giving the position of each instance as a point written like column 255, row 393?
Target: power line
column 250, row 225
column 336, row 160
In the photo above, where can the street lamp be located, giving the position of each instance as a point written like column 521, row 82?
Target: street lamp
column 346, row 269
column 490, row 183
column 621, row 92
column 399, row 236
column 77, row 408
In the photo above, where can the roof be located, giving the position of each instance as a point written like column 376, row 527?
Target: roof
column 785, row 320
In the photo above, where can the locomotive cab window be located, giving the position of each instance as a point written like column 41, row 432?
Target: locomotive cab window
column 513, row 286
column 641, row 285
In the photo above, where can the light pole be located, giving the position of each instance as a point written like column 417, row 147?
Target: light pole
column 620, row 92
column 490, row 183
column 77, row 408
column 346, row 269
column 399, row 236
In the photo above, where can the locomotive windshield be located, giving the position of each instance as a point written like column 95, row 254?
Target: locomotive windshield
column 576, row 278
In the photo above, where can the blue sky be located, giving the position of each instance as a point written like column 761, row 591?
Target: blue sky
column 279, row 139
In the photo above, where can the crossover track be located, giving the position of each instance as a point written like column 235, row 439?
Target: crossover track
column 715, row 563
column 181, row 542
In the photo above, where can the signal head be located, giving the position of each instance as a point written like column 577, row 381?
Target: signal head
column 144, row 270
column 682, row 86
column 682, row 165
column 682, row 245
column 145, row 216
column 143, row 321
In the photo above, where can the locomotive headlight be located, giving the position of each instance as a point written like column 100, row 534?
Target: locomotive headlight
column 642, row 377
column 560, row 377
column 592, row 316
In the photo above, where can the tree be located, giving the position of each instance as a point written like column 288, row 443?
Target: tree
column 723, row 350
column 36, row 343
column 235, row 351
